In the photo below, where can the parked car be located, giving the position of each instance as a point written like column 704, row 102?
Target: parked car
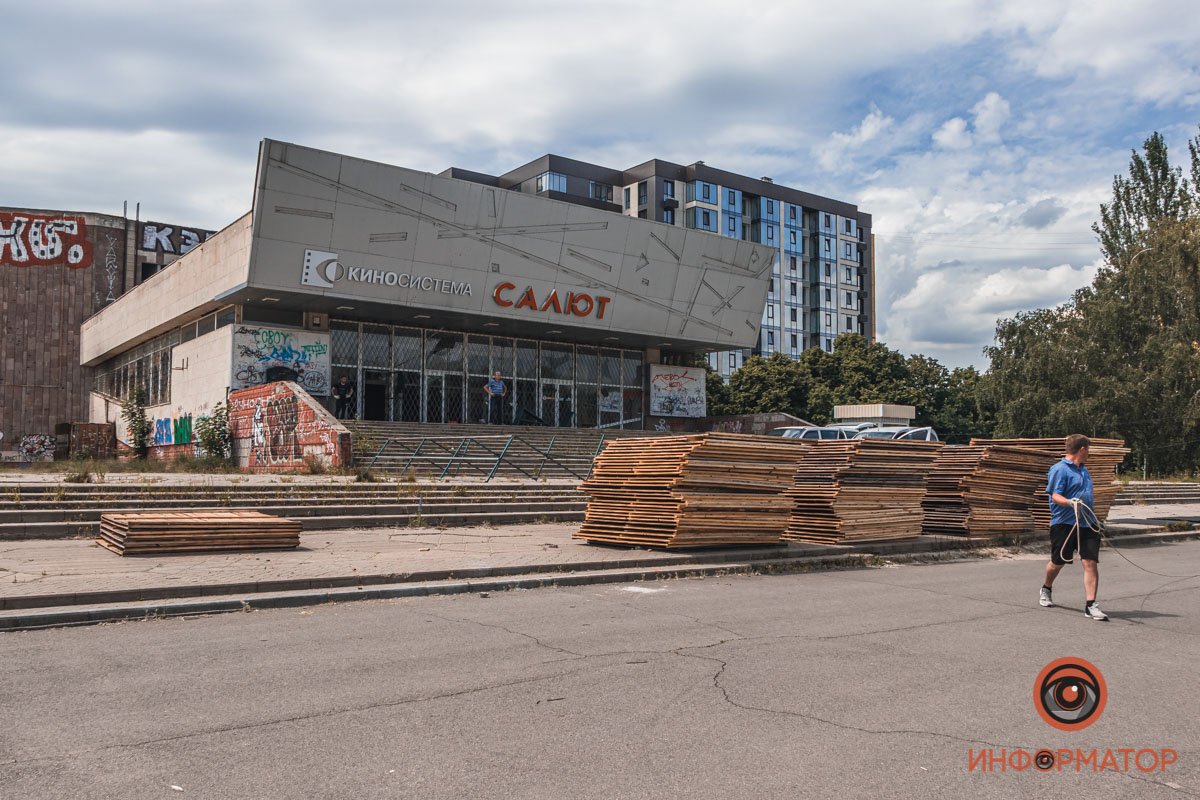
column 810, row 432
column 899, row 432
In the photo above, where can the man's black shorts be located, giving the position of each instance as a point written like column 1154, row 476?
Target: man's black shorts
column 1089, row 544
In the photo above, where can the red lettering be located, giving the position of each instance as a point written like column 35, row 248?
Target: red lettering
column 32, row 240
column 552, row 300
column 602, row 301
column 528, row 300
column 500, row 289
column 577, row 301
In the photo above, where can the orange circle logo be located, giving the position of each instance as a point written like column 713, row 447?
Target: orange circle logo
column 1070, row 694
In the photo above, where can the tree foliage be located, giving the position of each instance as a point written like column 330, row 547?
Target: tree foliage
column 212, row 433
column 1122, row 357
column 137, row 425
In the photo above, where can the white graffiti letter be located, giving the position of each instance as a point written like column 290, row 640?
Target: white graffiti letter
column 14, row 238
column 154, row 237
column 187, row 240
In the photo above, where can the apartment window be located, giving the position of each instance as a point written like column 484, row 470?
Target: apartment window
column 706, row 219
column 642, row 214
column 551, row 182
column 668, row 189
column 706, row 191
column 770, row 207
column 792, row 213
column 793, row 314
column 669, row 216
column 849, row 300
column 770, row 312
column 732, row 197
column 600, row 191
column 828, row 346
column 847, row 249
column 792, row 264
column 732, row 224
column 828, row 296
column 642, row 196
column 770, row 338
column 626, row 198
column 792, row 237
column 770, row 233
column 828, row 270
column 792, row 288
column 828, row 246
column 771, row 286
column 828, row 222
column 794, row 341
column 828, row 321
column 849, row 275
column 849, row 226
column 732, row 361
column 849, row 323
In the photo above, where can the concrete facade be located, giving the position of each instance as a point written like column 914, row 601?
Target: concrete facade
column 417, row 287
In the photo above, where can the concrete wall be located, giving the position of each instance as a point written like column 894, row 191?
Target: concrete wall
column 277, row 426
column 193, row 285
column 56, row 269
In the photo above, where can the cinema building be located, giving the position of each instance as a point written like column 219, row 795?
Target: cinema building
column 417, row 287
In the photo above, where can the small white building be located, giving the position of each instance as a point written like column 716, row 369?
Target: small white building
column 879, row 413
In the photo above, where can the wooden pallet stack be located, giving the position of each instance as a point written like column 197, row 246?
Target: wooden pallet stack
column 1104, row 456
column 978, row 490
column 160, row 532
column 690, row 491
column 860, row 490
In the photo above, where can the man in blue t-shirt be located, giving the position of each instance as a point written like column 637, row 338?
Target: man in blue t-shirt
column 1069, row 486
column 496, row 390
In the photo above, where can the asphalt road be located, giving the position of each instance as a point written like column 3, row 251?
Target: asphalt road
column 866, row 683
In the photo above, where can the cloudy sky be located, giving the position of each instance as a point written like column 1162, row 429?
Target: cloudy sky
column 982, row 136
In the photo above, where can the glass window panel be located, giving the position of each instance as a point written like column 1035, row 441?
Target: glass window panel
column 344, row 343
column 527, row 360
column 558, row 361
column 610, row 367
column 632, row 412
column 478, row 359
column 632, row 373
column 444, row 351
column 376, row 346
column 406, row 349
column 587, row 365
column 502, row 356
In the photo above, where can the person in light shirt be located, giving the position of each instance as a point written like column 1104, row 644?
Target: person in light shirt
column 1070, row 484
column 496, row 390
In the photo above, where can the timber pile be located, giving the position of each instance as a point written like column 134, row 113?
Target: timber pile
column 140, row 533
column 1104, row 456
column 860, row 490
column 690, row 491
column 977, row 490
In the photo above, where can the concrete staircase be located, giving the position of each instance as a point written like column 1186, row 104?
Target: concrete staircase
column 534, row 452
column 52, row 511
column 1152, row 492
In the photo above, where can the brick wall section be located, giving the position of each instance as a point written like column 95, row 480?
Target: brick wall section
column 43, row 303
column 276, row 425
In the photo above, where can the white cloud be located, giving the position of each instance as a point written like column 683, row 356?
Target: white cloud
column 990, row 115
column 953, row 134
column 832, row 153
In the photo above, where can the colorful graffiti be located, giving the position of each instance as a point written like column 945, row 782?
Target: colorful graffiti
column 173, row 430
column 276, row 426
column 37, row 447
column 31, row 240
column 170, row 239
column 265, row 355
column 677, row 391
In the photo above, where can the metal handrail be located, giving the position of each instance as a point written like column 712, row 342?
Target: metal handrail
column 452, row 454
column 379, row 452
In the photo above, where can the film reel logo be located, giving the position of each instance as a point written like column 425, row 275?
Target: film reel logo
column 1070, row 694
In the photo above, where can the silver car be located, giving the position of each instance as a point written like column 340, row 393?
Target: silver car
column 899, row 432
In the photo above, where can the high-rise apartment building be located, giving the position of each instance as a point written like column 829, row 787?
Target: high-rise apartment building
column 822, row 281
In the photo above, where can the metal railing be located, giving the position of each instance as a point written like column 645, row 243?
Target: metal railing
column 486, row 455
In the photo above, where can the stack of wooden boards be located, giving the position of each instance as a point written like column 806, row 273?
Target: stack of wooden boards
column 860, row 490
column 1104, row 456
column 690, row 491
column 977, row 490
column 140, row 533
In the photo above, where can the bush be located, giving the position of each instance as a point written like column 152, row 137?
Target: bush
column 137, row 424
column 213, row 436
column 314, row 465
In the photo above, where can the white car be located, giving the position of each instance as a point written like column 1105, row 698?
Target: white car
column 810, row 433
column 899, row 432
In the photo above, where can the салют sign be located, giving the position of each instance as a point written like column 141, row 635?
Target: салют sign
column 581, row 304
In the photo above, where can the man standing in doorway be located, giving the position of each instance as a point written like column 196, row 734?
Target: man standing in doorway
column 343, row 394
column 1070, row 488
column 496, row 390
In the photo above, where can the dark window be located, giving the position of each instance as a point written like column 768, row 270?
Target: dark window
column 732, row 225
column 669, row 216
column 793, row 315
column 770, row 338
column 626, row 198
column 706, row 219
column 793, row 341
column 706, row 191
column 668, row 189
column 771, row 286
column 732, row 197
column 792, row 289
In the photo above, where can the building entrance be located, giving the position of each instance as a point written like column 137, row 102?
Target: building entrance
column 558, row 408
column 444, row 397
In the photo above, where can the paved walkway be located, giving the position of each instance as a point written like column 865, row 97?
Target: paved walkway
column 65, row 572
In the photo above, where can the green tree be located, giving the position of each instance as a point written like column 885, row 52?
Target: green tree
column 212, row 433
column 137, row 425
column 765, row 385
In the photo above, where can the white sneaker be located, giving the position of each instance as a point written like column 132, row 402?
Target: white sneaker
column 1093, row 612
column 1044, row 598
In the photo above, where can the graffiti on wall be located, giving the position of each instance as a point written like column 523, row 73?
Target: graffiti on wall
column 37, row 447
column 264, row 355
column 32, row 240
column 171, row 240
column 275, row 429
column 111, row 268
column 173, row 430
column 677, row 391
